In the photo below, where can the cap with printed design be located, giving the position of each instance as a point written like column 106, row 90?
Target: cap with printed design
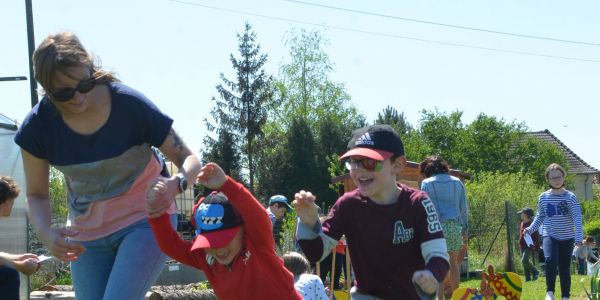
column 216, row 222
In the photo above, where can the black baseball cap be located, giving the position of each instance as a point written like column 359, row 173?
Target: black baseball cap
column 378, row 142
column 527, row 210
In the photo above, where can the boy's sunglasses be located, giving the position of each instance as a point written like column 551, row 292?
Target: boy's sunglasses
column 368, row 164
column 67, row 94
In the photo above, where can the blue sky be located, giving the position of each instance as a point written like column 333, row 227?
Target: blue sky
column 174, row 51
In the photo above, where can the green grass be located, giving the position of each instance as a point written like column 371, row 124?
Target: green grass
column 536, row 290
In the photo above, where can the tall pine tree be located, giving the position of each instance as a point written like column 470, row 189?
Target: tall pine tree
column 244, row 102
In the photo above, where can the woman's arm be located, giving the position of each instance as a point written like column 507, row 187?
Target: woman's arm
column 187, row 163
column 38, row 202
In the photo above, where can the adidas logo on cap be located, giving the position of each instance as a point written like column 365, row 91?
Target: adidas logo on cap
column 365, row 139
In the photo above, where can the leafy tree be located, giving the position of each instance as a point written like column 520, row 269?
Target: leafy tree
column 530, row 155
column 305, row 88
column 244, row 104
column 315, row 114
column 486, row 144
column 390, row 116
column 438, row 133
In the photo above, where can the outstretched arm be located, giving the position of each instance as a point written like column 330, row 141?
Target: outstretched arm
column 256, row 221
column 25, row 263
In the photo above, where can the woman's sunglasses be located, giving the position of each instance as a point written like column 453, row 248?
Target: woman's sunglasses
column 368, row 164
column 67, row 94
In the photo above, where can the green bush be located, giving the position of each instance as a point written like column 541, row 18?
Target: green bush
column 592, row 228
column 288, row 231
column 590, row 211
column 486, row 194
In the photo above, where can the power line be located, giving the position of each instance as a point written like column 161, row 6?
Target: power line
column 386, row 34
column 443, row 24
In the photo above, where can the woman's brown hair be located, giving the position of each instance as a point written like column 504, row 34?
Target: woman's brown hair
column 433, row 165
column 60, row 52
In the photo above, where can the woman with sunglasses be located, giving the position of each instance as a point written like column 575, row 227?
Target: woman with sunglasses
column 449, row 197
column 99, row 133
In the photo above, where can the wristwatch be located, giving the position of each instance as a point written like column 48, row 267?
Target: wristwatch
column 182, row 182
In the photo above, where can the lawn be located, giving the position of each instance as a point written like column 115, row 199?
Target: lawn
column 536, row 290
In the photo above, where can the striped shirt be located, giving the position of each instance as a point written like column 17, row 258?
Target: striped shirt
column 560, row 215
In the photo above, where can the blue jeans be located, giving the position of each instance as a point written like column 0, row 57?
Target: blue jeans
column 558, row 254
column 122, row 265
column 581, row 266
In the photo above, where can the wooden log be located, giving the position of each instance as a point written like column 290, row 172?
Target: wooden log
column 183, row 295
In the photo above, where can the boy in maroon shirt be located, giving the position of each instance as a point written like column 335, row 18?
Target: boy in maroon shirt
column 394, row 237
column 234, row 243
column 528, row 251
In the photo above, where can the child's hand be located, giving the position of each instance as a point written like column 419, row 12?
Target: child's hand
column 212, row 176
column 426, row 281
column 158, row 200
column 27, row 266
column 305, row 207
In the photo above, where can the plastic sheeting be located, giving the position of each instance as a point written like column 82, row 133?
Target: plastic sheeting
column 13, row 230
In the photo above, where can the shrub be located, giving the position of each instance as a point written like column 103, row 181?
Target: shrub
column 486, row 195
column 592, row 228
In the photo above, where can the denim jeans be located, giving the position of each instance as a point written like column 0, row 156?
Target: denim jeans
column 527, row 261
column 558, row 253
column 581, row 266
column 122, row 265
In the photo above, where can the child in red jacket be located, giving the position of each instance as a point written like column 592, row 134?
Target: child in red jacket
column 234, row 243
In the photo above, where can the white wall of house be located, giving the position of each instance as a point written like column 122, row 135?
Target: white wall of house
column 13, row 230
column 583, row 186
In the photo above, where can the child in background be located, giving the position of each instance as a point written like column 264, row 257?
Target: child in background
column 585, row 254
column 560, row 213
column 393, row 233
column 12, row 264
column 234, row 244
column 528, row 251
column 310, row 286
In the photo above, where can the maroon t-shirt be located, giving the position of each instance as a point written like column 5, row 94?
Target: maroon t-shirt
column 535, row 236
column 384, row 241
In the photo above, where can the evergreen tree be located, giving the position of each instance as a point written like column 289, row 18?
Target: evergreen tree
column 390, row 116
column 244, row 102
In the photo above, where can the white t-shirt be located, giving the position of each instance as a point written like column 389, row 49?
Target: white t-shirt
column 311, row 287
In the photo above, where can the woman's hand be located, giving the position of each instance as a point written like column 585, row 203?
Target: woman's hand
column 60, row 246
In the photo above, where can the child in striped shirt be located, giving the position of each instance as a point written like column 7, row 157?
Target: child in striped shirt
column 560, row 213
